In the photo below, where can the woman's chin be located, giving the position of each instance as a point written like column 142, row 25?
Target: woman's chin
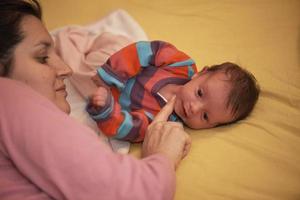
column 67, row 109
column 64, row 106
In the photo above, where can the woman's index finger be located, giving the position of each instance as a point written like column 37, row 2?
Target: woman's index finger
column 165, row 112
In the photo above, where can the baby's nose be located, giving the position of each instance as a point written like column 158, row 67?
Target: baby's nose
column 196, row 107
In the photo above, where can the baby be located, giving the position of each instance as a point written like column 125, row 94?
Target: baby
column 137, row 81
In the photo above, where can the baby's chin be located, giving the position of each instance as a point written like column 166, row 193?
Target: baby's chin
column 179, row 116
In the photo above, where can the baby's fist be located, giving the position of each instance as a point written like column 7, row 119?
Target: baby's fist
column 99, row 98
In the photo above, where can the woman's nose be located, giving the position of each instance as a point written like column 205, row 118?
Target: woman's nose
column 63, row 70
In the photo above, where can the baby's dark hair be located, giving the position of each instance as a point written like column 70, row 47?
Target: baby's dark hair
column 244, row 89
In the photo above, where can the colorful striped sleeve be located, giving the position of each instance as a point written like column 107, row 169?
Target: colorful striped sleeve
column 129, row 61
column 122, row 124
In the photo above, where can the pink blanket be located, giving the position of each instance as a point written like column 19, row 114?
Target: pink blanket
column 84, row 52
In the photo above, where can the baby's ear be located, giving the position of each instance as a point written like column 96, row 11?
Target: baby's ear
column 196, row 75
column 203, row 71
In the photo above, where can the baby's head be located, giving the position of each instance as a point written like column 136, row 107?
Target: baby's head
column 218, row 95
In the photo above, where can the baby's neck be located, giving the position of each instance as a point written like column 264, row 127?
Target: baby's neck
column 169, row 90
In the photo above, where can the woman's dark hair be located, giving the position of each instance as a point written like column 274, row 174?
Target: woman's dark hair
column 11, row 14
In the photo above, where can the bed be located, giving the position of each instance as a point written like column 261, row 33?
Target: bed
column 256, row 158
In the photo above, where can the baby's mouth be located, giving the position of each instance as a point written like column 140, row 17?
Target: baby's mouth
column 181, row 114
column 184, row 111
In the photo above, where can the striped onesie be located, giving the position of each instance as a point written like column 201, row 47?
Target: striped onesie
column 135, row 74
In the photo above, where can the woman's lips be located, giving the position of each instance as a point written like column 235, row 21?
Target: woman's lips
column 62, row 89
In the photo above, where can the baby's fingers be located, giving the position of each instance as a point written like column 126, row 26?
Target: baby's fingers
column 99, row 101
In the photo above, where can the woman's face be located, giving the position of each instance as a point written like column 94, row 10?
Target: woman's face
column 36, row 64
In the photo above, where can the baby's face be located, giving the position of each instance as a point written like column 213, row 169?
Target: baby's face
column 201, row 103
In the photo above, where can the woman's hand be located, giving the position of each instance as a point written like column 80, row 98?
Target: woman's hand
column 167, row 138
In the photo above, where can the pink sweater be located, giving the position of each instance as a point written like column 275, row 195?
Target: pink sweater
column 44, row 154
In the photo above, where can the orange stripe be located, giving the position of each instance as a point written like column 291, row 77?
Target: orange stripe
column 111, row 126
column 126, row 62
column 147, row 106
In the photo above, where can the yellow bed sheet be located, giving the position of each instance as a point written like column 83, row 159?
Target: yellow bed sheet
column 257, row 158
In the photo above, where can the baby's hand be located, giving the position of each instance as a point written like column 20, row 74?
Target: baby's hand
column 99, row 98
column 99, row 82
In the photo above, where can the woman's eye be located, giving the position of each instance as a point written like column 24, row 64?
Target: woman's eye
column 43, row 59
column 199, row 93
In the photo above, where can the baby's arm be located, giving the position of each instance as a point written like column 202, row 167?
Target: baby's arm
column 116, row 122
column 99, row 81
column 129, row 61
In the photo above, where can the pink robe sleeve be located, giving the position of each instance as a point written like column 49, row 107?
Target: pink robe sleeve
column 45, row 154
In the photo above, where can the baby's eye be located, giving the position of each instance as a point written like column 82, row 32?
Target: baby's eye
column 200, row 93
column 205, row 116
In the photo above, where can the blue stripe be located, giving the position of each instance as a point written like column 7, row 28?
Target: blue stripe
column 124, row 98
column 105, row 113
column 125, row 127
column 183, row 63
column 144, row 52
column 110, row 80
column 173, row 118
column 190, row 71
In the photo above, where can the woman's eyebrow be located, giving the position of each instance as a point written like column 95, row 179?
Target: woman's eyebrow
column 45, row 44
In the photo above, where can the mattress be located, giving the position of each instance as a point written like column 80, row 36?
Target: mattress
column 256, row 158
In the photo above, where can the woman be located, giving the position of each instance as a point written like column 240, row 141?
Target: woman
column 44, row 154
